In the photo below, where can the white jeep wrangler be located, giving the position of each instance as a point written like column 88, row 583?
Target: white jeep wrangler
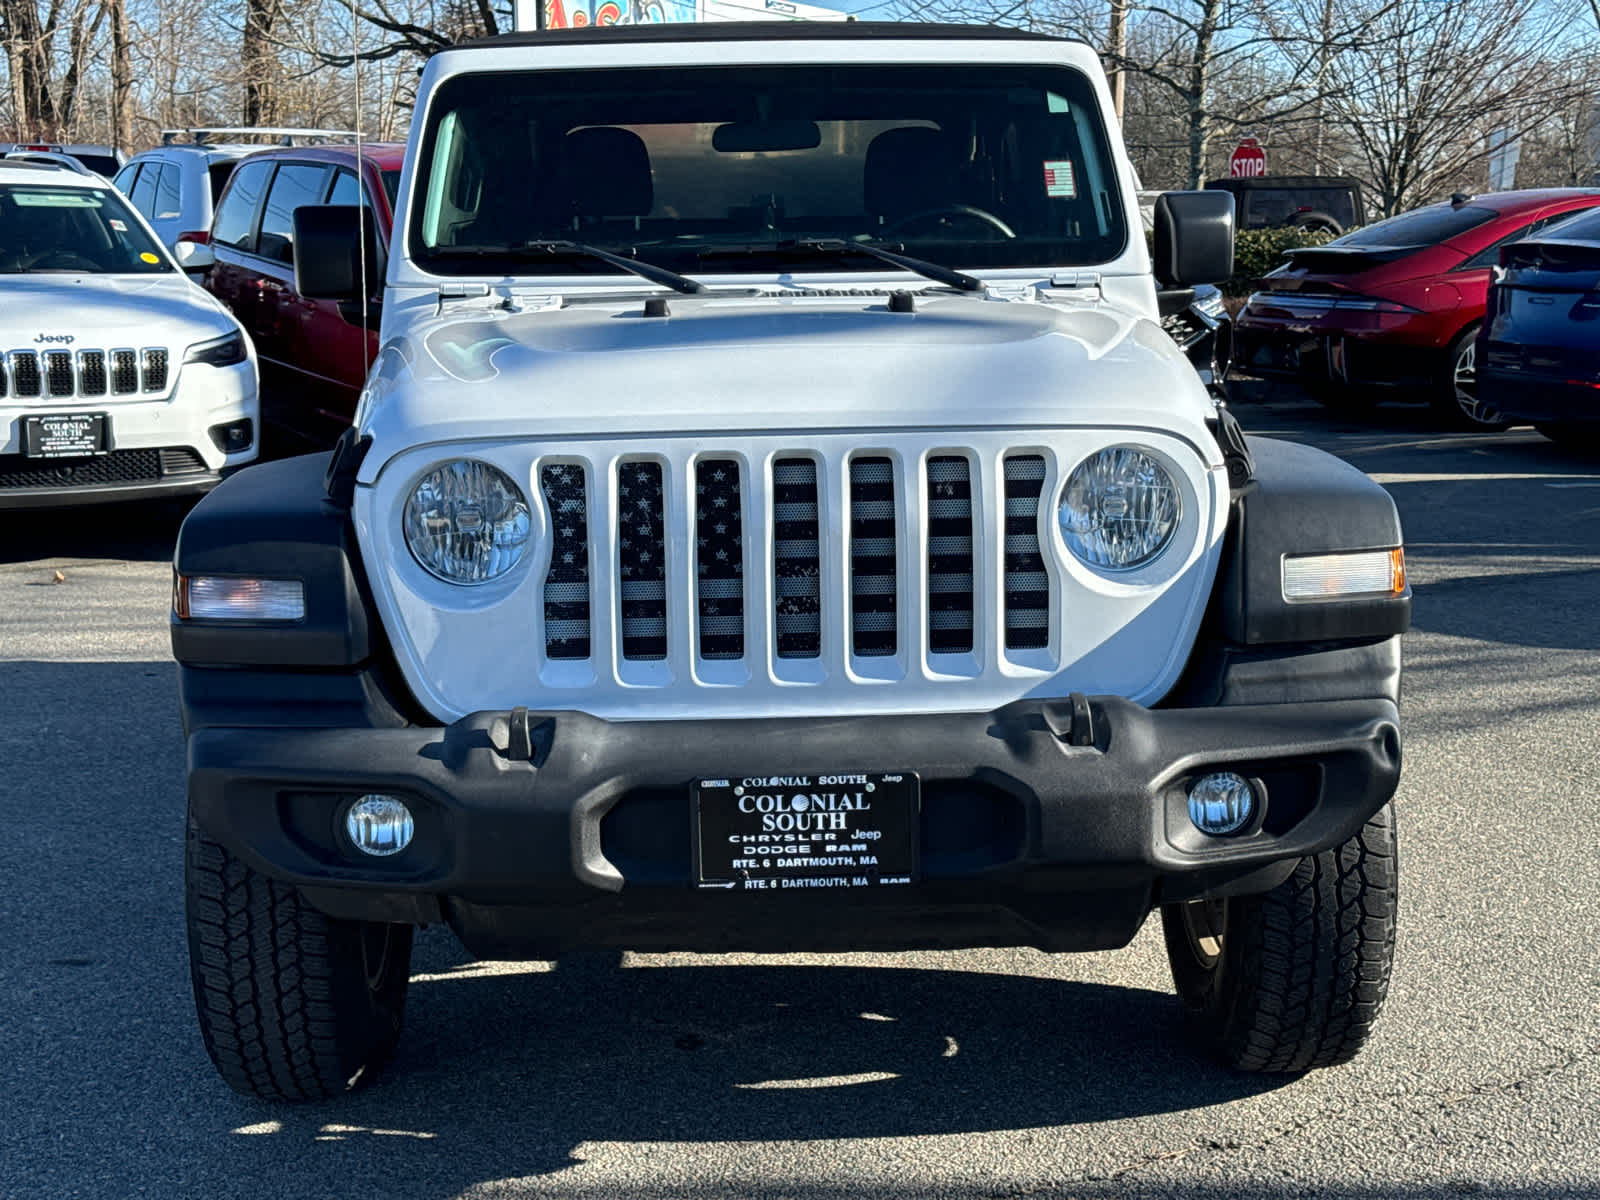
column 776, row 521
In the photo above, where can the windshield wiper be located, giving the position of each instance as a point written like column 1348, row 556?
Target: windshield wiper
column 839, row 247
column 528, row 251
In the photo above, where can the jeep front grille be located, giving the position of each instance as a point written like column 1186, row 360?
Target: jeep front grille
column 796, row 559
column 566, row 587
column 872, row 557
column 949, row 554
column 719, row 553
column 60, row 374
column 642, row 557
column 1027, row 585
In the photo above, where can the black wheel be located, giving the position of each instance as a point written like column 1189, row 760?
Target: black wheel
column 1455, row 391
column 293, row 1005
column 1293, row 978
column 1316, row 221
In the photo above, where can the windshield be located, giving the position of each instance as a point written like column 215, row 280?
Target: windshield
column 73, row 230
column 708, row 171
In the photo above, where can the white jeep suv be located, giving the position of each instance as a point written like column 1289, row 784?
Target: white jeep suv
column 119, row 378
column 776, row 521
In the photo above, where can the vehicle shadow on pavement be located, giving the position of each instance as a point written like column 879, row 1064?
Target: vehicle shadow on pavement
column 506, row 1075
column 138, row 532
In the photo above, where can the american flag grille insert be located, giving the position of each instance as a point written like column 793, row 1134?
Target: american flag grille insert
column 566, row 587
column 155, row 370
column 58, row 372
column 642, row 557
column 872, row 557
column 796, row 558
column 92, row 372
column 719, row 554
column 124, row 372
column 24, row 373
column 1027, row 584
column 949, row 555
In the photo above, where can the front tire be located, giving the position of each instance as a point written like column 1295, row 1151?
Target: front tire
column 1293, row 978
column 293, row 1004
column 1455, row 391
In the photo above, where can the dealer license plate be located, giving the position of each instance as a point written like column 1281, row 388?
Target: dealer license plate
column 64, row 435
column 800, row 832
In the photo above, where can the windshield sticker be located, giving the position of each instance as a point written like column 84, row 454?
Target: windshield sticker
column 53, row 200
column 119, row 226
column 1059, row 181
column 149, row 258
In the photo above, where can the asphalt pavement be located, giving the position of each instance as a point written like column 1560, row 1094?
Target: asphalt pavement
column 970, row 1075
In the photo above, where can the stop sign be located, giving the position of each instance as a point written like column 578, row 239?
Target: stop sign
column 1248, row 160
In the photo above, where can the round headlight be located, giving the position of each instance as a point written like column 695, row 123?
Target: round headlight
column 1119, row 509
column 467, row 522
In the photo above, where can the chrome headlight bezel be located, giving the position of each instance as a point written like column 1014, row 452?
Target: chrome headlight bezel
column 440, row 511
column 1086, row 505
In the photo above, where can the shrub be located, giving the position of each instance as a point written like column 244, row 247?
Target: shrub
column 1257, row 251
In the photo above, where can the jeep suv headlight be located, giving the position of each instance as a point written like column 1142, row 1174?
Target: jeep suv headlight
column 467, row 522
column 224, row 351
column 1119, row 509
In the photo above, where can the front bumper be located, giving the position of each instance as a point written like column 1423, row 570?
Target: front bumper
column 1026, row 836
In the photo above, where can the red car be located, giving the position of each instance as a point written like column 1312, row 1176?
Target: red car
column 1395, row 305
column 313, row 353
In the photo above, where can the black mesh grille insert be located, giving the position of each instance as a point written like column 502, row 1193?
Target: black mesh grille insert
column 120, row 466
column 92, row 372
column 25, row 373
column 1027, row 586
column 124, row 372
column 796, row 558
column 642, row 555
column 58, row 372
column 719, row 540
column 155, row 370
column 872, row 557
column 181, row 460
column 566, row 587
column 949, row 555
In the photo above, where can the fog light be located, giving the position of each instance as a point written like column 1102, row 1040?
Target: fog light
column 1221, row 803
column 234, row 436
column 379, row 826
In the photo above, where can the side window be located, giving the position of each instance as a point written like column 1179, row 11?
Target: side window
column 143, row 195
column 125, row 177
column 169, row 195
column 295, row 185
column 235, row 221
column 1490, row 254
column 345, row 190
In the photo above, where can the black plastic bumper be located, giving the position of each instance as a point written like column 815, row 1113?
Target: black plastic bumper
column 1522, row 396
column 1025, row 837
column 176, row 487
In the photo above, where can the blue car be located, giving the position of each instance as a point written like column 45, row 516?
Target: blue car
column 1539, row 350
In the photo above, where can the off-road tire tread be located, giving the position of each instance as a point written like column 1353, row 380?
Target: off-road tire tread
column 279, row 987
column 1306, row 966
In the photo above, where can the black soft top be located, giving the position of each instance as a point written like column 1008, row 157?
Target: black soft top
column 762, row 31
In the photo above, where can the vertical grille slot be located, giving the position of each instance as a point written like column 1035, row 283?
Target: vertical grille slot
column 92, row 372
column 566, row 587
column 124, row 372
column 155, row 369
column 719, row 540
column 872, row 557
column 58, row 372
column 949, row 555
column 25, row 373
column 641, row 550
column 796, row 558
column 1027, row 585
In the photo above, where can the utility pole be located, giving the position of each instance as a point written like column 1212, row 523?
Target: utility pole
column 1117, row 50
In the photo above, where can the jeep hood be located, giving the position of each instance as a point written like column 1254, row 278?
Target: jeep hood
column 107, row 311
column 805, row 363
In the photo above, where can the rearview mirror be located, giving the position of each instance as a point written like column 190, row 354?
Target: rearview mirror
column 335, row 247
column 745, row 137
column 1194, row 238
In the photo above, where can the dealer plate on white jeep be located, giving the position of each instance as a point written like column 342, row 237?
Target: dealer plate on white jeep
column 65, row 435
column 786, row 832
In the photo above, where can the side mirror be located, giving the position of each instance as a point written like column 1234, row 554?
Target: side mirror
column 332, row 245
column 1194, row 238
column 192, row 256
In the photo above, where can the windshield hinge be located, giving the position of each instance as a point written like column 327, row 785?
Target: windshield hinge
column 1011, row 291
column 1075, row 279
column 459, row 291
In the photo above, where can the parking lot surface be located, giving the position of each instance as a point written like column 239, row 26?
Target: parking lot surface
column 977, row 1074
